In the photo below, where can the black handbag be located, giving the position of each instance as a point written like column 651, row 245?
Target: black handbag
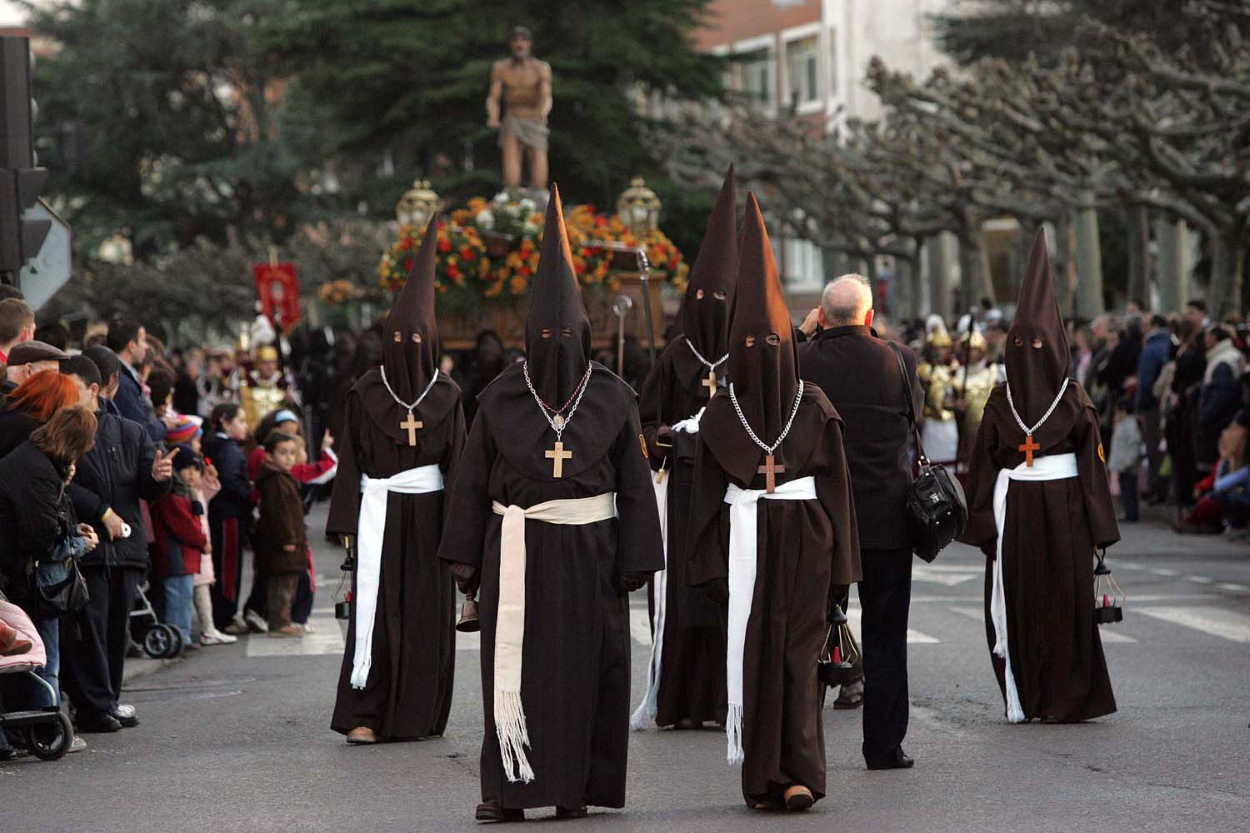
column 61, row 585
column 936, row 507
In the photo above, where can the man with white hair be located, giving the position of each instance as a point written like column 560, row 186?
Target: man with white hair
column 860, row 374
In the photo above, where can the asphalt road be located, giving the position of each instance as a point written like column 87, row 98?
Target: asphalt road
column 236, row 739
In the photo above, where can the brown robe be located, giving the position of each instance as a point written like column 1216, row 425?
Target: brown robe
column 1052, row 530
column 692, row 671
column 807, row 550
column 575, row 686
column 408, row 693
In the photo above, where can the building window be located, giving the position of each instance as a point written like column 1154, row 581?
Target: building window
column 757, row 75
column 833, row 62
column 803, row 70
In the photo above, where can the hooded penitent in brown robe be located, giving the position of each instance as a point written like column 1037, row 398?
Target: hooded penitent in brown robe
column 1052, row 527
column 688, row 628
column 557, row 735
column 807, row 546
column 408, row 684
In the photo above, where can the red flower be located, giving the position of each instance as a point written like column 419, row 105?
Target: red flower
column 466, row 253
column 407, row 264
column 405, row 243
column 444, row 245
column 453, row 272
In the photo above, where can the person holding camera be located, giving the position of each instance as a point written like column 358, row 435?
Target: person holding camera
column 859, row 372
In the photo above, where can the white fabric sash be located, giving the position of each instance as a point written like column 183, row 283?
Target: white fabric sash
column 644, row 715
column 743, row 555
column 370, row 533
column 510, row 618
column 1051, row 467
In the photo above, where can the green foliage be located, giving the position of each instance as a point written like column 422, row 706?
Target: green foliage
column 410, row 79
column 158, row 117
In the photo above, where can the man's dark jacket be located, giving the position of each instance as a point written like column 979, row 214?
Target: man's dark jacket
column 116, row 473
column 859, row 373
column 131, row 404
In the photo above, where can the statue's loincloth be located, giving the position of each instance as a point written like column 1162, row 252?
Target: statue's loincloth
column 529, row 132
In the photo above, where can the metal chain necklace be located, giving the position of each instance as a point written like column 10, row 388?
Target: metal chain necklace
column 402, row 403
column 1028, row 446
column 411, row 424
column 768, row 449
column 709, row 365
column 711, row 382
column 555, row 418
column 770, row 467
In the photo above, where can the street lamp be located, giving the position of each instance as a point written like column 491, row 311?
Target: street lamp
column 639, row 208
column 417, row 206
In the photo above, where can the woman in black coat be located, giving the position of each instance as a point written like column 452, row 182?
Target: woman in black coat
column 36, row 515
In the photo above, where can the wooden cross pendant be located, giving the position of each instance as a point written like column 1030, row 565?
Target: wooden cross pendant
column 710, row 383
column 769, row 470
column 411, row 424
column 557, row 455
column 1028, row 447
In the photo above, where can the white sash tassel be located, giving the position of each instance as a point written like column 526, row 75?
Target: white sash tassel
column 743, row 562
column 370, row 535
column 509, row 711
column 1051, row 467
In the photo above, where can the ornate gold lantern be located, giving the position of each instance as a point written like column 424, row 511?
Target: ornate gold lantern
column 417, row 206
column 639, row 208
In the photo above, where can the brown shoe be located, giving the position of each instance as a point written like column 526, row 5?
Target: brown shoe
column 798, row 797
column 361, row 735
column 11, row 642
column 291, row 631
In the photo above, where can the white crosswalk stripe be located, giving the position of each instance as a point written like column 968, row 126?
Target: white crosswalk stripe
column 1107, row 634
column 326, row 638
column 1210, row 620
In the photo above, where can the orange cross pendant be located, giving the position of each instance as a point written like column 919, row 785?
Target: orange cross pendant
column 1028, row 447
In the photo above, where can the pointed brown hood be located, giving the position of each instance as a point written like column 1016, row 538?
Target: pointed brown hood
column 763, row 361
column 557, row 333
column 704, row 312
column 1037, row 344
column 410, row 335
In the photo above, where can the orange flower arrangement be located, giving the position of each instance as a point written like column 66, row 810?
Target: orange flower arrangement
column 490, row 249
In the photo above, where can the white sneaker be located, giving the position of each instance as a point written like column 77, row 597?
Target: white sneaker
column 307, row 626
column 217, row 638
column 255, row 622
column 124, row 710
column 78, row 744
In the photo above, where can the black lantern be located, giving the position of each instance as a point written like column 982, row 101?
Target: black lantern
column 1108, row 597
column 469, row 622
column 840, row 661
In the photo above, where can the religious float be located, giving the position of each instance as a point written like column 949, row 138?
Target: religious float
column 488, row 250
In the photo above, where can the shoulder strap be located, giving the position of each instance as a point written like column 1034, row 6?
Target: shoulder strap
column 911, row 405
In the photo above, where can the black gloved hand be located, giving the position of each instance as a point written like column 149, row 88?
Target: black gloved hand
column 467, row 578
column 629, row 582
column 717, row 590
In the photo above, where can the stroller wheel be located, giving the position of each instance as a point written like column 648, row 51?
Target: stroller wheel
column 176, row 642
column 50, row 741
column 157, row 642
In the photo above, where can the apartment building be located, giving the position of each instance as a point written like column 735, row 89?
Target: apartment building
column 811, row 56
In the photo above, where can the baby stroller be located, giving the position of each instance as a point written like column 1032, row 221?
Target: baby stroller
column 45, row 731
column 159, row 641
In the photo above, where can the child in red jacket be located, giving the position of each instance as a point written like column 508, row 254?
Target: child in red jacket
column 180, row 540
